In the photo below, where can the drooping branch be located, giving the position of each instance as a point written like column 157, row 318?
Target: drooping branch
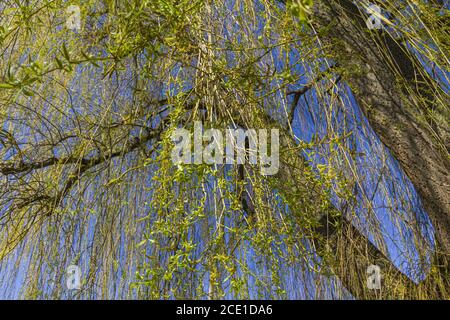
column 352, row 252
column 393, row 112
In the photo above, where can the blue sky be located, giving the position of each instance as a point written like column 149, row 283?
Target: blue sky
column 381, row 179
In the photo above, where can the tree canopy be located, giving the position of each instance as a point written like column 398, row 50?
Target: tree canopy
column 87, row 179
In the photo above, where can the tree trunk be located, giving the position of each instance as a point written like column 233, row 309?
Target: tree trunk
column 392, row 113
column 347, row 251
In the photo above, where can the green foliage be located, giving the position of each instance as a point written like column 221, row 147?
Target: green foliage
column 300, row 9
column 103, row 102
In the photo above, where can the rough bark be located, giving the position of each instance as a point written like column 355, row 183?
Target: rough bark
column 348, row 253
column 392, row 114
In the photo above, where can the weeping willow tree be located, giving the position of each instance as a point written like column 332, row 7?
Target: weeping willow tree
column 87, row 177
